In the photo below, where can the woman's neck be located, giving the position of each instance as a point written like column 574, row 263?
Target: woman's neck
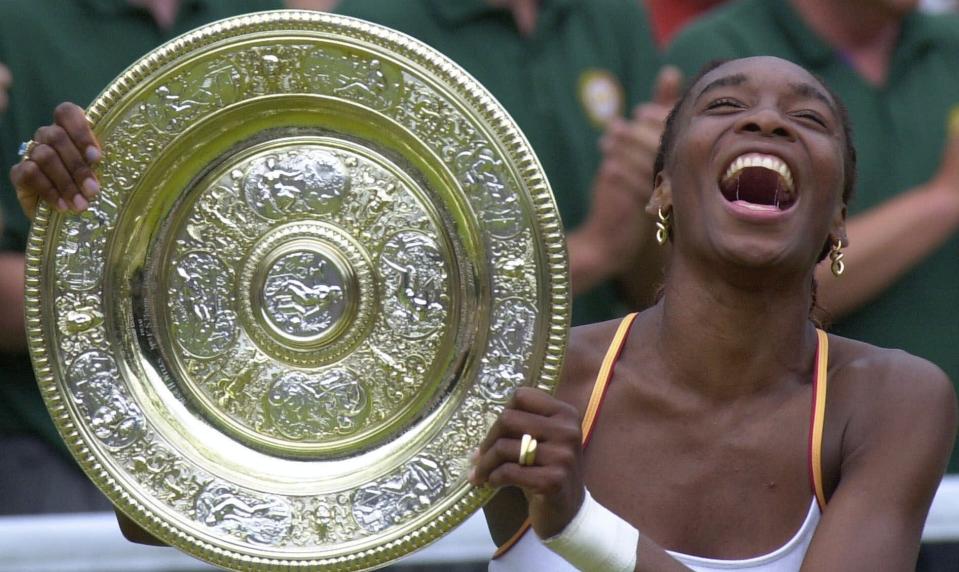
column 864, row 32
column 727, row 338
column 525, row 13
column 164, row 12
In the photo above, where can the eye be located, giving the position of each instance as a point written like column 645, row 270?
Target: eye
column 724, row 103
column 811, row 116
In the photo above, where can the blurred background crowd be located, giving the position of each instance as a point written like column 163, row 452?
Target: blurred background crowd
column 590, row 83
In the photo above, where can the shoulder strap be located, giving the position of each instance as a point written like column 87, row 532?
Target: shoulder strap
column 820, row 384
column 592, row 408
column 604, row 376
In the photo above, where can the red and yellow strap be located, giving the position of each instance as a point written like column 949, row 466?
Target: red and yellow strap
column 818, row 417
column 592, row 408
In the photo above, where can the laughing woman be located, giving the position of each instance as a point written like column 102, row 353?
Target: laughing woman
column 723, row 430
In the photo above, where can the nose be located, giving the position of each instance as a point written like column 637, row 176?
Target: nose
column 766, row 122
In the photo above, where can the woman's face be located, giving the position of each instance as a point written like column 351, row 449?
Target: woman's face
column 756, row 173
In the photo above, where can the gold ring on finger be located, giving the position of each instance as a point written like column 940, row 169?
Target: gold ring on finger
column 25, row 149
column 527, row 450
column 530, row 453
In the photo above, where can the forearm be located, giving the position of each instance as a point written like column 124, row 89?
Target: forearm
column 132, row 531
column 639, row 283
column 13, row 337
column 651, row 557
column 588, row 263
column 598, row 540
column 635, row 262
column 886, row 242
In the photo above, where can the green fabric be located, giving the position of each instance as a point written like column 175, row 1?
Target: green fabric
column 537, row 79
column 68, row 51
column 900, row 134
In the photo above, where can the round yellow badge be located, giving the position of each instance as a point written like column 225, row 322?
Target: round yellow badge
column 601, row 95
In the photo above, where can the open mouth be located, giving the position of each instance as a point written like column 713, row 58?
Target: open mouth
column 759, row 180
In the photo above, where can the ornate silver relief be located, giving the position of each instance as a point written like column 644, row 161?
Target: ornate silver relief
column 263, row 520
column 409, row 492
column 415, row 284
column 301, row 405
column 113, row 418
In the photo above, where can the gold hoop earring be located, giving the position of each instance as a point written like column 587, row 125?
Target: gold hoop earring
column 836, row 255
column 662, row 227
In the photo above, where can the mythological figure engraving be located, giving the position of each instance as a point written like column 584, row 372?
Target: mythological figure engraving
column 412, row 490
column 172, row 479
column 484, row 179
column 267, row 520
column 95, row 384
column 332, row 520
column 370, row 85
column 504, row 366
column 308, row 180
column 304, row 293
column 80, row 323
column 304, row 406
column 79, row 264
column 203, row 317
column 415, row 282
column 221, row 222
column 351, row 76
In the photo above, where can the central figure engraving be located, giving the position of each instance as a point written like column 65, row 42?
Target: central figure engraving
column 304, row 294
column 296, row 181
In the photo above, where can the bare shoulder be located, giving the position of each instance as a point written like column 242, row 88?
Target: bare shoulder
column 889, row 374
column 878, row 389
column 584, row 355
column 893, row 419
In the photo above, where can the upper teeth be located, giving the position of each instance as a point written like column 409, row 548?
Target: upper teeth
column 770, row 162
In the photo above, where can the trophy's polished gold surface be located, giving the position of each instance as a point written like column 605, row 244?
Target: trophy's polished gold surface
column 322, row 259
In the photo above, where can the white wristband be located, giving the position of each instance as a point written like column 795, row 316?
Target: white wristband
column 596, row 540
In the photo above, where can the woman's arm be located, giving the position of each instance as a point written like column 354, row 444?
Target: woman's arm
column 894, row 451
column 553, row 484
column 134, row 533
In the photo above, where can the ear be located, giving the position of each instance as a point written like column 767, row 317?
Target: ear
column 662, row 197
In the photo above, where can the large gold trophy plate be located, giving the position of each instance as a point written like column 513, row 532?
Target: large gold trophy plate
column 322, row 259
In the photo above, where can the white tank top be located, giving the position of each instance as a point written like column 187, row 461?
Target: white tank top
column 530, row 555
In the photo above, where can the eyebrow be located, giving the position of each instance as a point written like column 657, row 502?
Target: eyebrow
column 728, row 80
column 809, row 90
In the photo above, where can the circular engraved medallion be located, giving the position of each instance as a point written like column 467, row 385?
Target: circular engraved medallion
column 304, row 294
column 322, row 260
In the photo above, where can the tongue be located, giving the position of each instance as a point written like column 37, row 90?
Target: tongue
column 755, row 185
column 758, row 186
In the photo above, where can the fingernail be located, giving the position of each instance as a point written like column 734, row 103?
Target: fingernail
column 93, row 154
column 61, row 205
column 80, row 202
column 472, row 477
column 91, row 187
column 474, row 456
